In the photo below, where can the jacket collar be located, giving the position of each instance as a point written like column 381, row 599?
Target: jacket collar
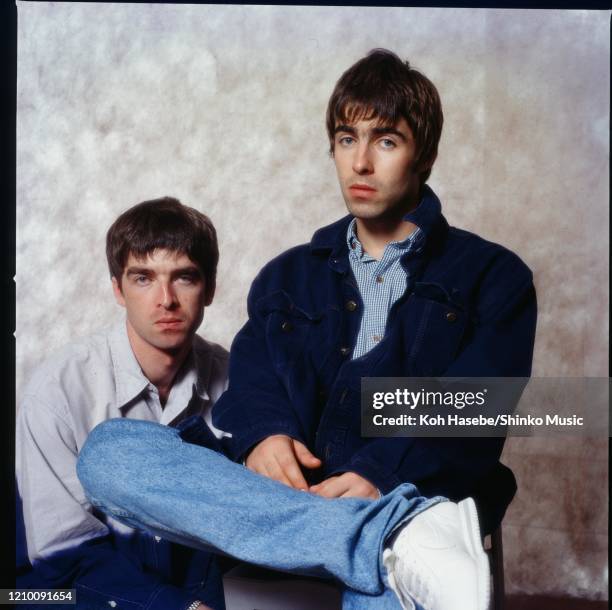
column 427, row 216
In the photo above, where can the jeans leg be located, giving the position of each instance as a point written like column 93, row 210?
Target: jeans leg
column 144, row 474
column 387, row 600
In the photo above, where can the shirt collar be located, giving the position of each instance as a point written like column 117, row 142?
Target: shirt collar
column 130, row 381
column 414, row 241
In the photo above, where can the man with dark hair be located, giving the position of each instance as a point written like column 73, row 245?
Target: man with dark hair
column 388, row 291
column 162, row 258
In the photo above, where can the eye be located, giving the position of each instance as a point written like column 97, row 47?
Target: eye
column 345, row 140
column 141, row 280
column 187, row 278
column 387, row 143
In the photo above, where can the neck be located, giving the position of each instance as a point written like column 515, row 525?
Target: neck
column 159, row 366
column 375, row 233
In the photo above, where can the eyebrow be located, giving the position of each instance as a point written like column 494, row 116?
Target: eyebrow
column 146, row 271
column 375, row 130
column 138, row 271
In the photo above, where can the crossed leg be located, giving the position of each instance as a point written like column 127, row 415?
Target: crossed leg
column 145, row 475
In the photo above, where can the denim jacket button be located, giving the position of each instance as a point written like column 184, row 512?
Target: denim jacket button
column 112, row 603
column 351, row 306
column 451, row 316
column 345, row 351
column 286, row 326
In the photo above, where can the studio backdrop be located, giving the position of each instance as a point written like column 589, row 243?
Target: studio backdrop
column 223, row 107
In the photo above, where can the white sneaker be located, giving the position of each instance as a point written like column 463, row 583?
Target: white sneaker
column 437, row 559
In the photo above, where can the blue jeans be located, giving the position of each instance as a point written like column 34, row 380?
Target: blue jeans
column 149, row 477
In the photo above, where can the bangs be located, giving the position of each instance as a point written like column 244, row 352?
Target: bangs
column 350, row 111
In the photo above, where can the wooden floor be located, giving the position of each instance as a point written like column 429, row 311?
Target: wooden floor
column 537, row 602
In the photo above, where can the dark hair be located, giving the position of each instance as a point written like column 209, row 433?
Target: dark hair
column 384, row 87
column 163, row 223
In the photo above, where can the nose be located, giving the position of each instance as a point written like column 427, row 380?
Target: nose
column 362, row 161
column 167, row 297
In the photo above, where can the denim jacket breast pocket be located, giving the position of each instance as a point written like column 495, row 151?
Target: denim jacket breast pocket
column 439, row 322
column 288, row 328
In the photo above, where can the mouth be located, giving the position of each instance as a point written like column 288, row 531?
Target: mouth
column 169, row 322
column 362, row 190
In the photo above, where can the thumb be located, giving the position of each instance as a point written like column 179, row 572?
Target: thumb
column 304, row 456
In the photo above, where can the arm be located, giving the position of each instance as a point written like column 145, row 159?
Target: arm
column 256, row 405
column 67, row 545
column 500, row 346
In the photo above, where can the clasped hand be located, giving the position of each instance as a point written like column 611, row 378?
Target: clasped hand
column 281, row 458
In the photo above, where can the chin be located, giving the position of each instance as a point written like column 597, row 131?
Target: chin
column 366, row 211
column 170, row 343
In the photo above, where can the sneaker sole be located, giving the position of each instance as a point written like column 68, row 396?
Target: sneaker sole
column 471, row 535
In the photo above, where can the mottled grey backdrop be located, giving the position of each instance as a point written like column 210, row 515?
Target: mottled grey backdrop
column 223, row 107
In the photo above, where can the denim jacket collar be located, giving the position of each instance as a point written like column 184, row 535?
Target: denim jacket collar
column 427, row 216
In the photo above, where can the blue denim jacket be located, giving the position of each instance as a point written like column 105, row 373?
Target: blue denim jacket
column 291, row 372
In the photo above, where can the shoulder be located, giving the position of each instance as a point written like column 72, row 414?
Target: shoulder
column 298, row 263
column 75, row 361
column 287, row 260
column 212, row 362
column 209, row 351
column 72, row 381
column 488, row 255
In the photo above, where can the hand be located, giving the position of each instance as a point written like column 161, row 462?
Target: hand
column 202, row 607
column 347, row 485
column 279, row 457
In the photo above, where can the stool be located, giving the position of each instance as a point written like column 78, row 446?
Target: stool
column 248, row 587
column 495, row 551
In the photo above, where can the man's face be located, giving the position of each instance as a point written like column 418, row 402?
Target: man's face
column 164, row 295
column 376, row 169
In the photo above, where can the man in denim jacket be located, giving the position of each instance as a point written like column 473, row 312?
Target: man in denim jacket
column 389, row 290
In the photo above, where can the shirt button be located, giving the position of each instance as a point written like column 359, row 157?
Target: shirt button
column 376, row 338
column 112, row 603
column 451, row 316
column 351, row 306
column 157, row 539
column 379, row 279
column 286, row 326
column 345, row 351
column 353, row 245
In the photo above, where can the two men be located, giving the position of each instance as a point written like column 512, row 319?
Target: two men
column 162, row 258
column 388, row 291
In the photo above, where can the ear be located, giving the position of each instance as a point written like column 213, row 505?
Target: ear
column 117, row 292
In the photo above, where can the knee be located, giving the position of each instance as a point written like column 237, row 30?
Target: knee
column 97, row 456
column 110, row 447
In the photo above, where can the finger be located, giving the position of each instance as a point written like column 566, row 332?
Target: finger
column 276, row 472
column 305, row 457
column 356, row 492
column 360, row 488
column 333, row 487
column 255, row 466
column 292, row 471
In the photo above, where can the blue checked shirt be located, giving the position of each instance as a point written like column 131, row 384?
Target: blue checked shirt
column 380, row 282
